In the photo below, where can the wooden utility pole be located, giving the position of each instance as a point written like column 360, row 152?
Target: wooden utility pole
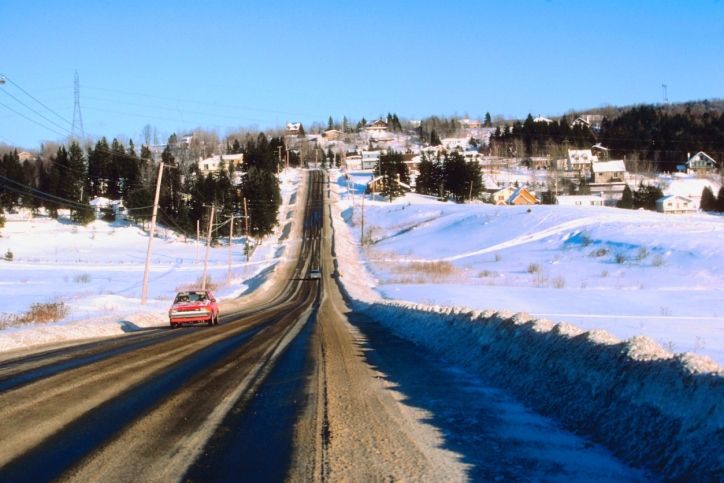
column 231, row 234
column 151, row 233
column 208, row 244
column 246, row 230
column 362, row 232
column 287, row 167
column 198, row 240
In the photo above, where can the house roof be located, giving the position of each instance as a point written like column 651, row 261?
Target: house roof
column 701, row 156
column 543, row 119
column 668, row 197
column 294, row 126
column 616, row 166
column 521, row 191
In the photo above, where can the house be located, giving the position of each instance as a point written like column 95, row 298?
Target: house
column 470, row 123
column 25, row 156
column 591, row 121
column 580, row 160
column 376, row 126
column 293, row 129
column 600, row 151
column 580, row 200
column 521, row 196
column 103, row 206
column 332, row 134
column 544, row 120
column 539, row 162
column 701, row 163
column 501, row 196
column 353, row 162
column 370, row 159
column 674, row 204
column 214, row 163
column 513, row 195
column 609, row 171
column 376, row 184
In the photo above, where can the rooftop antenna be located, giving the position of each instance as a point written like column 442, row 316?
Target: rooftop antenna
column 77, row 131
column 665, row 90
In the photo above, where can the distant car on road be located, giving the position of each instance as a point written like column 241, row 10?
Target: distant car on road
column 315, row 274
column 193, row 306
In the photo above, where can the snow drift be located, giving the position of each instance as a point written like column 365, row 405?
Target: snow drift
column 656, row 410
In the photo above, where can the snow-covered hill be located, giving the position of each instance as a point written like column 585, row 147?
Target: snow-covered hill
column 628, row 272
column 97, row 272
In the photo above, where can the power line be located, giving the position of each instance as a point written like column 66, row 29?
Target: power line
column 32, row 110
column 31, row 120
column 33, row 98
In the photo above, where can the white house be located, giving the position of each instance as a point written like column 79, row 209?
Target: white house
column 353, row 162
column 609, row 171
column 701, row 163
column 213, row 164
column 543, row 120
column 103, row 205
column 580, row 160
column 369, row 159
column 674, row 204
column 580, row 200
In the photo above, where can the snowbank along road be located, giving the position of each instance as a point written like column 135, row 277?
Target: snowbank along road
column 295, row 386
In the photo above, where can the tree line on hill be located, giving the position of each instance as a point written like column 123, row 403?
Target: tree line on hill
column 71, row 177
column 663, row 135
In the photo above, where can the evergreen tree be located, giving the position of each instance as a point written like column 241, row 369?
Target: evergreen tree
column 84, row 215
column 99, row 168
column 646, row 196
column 77, row 172
column 720, row 200
column 583, row 188
column 549, row 197
column 434, row 138
column 261, row 189
column 393, row 171
column 708, row 201
column 11, row 169
column 626, row 200
column 456, row 176
column 488, row 120
column 430, row 177
column 330, row 123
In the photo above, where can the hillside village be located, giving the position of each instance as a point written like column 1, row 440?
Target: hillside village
column 584, row 177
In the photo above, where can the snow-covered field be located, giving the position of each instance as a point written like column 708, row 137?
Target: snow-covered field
column 628, row 272
column 97, row 271
column 653, row 408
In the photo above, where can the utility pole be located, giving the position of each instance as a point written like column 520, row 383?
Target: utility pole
column 362, row 232
column 231, row 234
column 198, row 240
column 279, row 148
column 152, row 231
column 208, row 244
column 287, row 167
column 471, row 190
column 246, row 230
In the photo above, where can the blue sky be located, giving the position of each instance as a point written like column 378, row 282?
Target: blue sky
column 223, row 65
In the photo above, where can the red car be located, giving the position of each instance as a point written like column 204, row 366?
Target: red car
column 194, row 306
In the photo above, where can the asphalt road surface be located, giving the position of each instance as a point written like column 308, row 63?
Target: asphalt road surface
column 291, row 385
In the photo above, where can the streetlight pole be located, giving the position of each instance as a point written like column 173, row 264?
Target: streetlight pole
column 152, row 231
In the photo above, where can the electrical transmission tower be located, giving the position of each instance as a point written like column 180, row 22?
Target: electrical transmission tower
column 77, row 131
